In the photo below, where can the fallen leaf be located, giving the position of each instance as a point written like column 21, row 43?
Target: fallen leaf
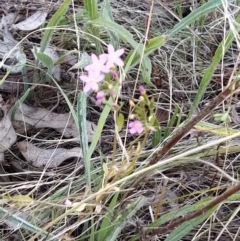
column 8, row 43
column 7, row 134
column 42, row 118
column 19, row 200
column 33, row 22
column 1, row 157
column 70, row 59
column 11, row 18
column 39, row 157
column 7, row 36
column 17, row 59
column 20, row 127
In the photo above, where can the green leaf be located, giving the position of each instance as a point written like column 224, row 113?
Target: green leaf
column 53, row 22
column 107, row 13
column 176, row 213
column 119, row 29
column 171, row 123
column 91, row 7
column 45, row 60
column 92, row 10
column 156, row 139
column 107, row 220
column 125, row 35
column 100, row 125
column 120, row 122
column 146, row 70
column 19, row 102
column 82, row 125
column 187, row 226
column 155, row 43
column 124, row 218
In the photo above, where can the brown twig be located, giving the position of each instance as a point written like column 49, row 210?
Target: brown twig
column 176, row 222
column 189, row 125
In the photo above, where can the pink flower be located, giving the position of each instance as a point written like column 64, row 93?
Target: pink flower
column 114, row 105
column 135, row 127
column 100, row 95
column 142, row 90
column 113, row 57
column 67, row 202
column 91, row 81
column 97, row 65
column 114, row 74
column 99, row 98
column 112, row 92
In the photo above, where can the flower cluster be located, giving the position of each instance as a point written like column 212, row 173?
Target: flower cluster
column 100, row 66
column 102, row 70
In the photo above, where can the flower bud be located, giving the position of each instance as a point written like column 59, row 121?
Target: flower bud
column 131, row 103
column 131, row 117
column 142, row 90
column 110, row 86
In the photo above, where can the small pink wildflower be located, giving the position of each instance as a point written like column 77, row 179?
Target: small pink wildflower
column 135, row 127
column 67, row 202
column 100, row 95
column 97, row 66
column 99, row 98
column 114, row 74
column 113, row 57
column 114, row 105
column 142, row 90
column 112, row 92
column 91, row 81
column 98, row 102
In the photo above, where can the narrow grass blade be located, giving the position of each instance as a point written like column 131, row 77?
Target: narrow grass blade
column 119, row 29
column 221, row 50
column 52, row 23
column 82, row 125
column 68, row 102
column 196, row 14
column 176, row 213
column 123, row 219
column 120, row 121
column 98, row 132
column 107, row 220
column 146, row 70
column 91, row 7
column 215, row 129
column 45, row 60
column 171, row 123
column 107, row 13
column 155, row 43
column 19, row 222
column 186, row 227
column 19, row 102
column 156, row 139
